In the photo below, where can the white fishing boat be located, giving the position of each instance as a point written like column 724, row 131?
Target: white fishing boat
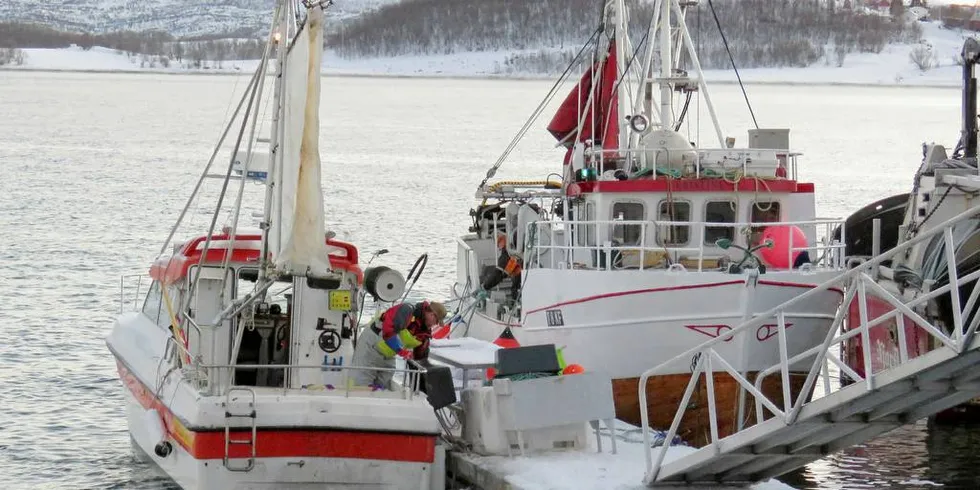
column 235, row 363
column 645, row 242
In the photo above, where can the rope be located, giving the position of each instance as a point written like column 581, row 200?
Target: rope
column 546, row 183
column 174, row 324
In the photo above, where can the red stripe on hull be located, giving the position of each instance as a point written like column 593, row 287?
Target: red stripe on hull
column 674, row 288
column 797, row 285
column 319, row 444
column 627, row 293
column 285, row 443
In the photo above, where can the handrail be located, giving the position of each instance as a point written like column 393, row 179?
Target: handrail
column 192, row 323
column 411, row 376
column 857, row 282
column 641, row 157
column 472, row 267
column 826, row 252
column 136, row 295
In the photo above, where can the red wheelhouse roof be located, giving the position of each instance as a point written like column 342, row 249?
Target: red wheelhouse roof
column 247, row 249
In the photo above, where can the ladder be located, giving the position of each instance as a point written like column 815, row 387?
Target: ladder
column 807, row 426
column 241, row 407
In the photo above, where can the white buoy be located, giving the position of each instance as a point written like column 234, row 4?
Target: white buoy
column 158, row 434
column 384, row 283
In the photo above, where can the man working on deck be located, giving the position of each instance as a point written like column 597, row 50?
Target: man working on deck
column 402, row 330
column 507, row 266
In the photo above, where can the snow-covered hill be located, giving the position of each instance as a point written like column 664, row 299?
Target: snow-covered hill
column 890, row 67
column 178, row 17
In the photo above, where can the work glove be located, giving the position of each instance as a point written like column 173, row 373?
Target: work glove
column 390, row 347
column 408, row 340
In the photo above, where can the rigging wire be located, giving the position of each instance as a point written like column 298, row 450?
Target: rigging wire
column 537, row 111
column 251, row 97
column 207, row 168
column 732, row 59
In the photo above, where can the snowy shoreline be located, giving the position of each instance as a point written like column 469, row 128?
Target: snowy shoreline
column 950, row 84
column 890, row 68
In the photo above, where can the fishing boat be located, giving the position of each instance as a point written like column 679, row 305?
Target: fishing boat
column 945, row 184
column 644, row 241
column 235, row 362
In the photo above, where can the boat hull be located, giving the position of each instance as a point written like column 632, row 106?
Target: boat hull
column 886, row 352
column 304, row 439
column 664, row 395
column 883, row 338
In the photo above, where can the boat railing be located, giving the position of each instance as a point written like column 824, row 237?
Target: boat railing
column 201, row 374
column 701, row 162
column 468, row 267
column 587, row 244
column 817, row 361
column 130, row 289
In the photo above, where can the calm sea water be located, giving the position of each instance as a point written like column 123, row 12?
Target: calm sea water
column 95, row 167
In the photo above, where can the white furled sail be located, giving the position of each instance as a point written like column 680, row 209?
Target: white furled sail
column 297, row 239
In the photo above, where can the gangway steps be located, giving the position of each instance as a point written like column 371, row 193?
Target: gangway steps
column 923, row 386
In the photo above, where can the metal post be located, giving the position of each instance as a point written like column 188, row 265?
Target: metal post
column 954, row 283
column 875, row 244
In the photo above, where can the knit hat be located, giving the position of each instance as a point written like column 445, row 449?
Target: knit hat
column 438, row 309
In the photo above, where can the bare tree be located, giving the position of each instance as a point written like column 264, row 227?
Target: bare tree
column 759, row 32
column 896, row 9
column 12, row 56
column 922, row 57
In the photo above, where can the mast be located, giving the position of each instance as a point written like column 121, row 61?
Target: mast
column 661, row 48
column 280, row 37
column 622, row 51
column 666, row 95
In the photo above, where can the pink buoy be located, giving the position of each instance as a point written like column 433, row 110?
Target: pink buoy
column 779, row 255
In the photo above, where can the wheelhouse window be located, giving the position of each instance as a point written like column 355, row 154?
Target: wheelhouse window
column 762, row 212
column 719, row 212
column 586, row 229
column 765, row 212
column 628, row 234
column 151, row 306
column 673, row 210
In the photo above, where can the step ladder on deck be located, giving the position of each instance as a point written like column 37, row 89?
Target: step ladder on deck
column 239, row 404
column 811, row 426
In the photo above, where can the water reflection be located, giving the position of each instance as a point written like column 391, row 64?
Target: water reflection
column 916, row 456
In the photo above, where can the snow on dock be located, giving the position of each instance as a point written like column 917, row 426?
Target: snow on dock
column 572, row 469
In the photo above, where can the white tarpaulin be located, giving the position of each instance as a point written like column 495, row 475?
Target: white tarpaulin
column 298, row 239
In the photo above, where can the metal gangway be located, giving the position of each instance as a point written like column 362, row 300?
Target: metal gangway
column 810, row 425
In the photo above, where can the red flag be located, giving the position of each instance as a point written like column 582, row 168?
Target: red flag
column 564, row 124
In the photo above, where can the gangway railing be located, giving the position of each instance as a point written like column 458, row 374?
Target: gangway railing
column 906, row 389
